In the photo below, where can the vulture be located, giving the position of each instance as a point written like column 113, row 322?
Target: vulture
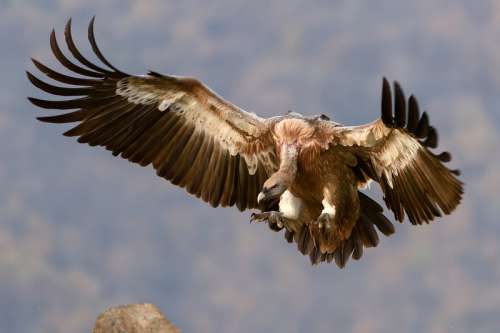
column 303, row 175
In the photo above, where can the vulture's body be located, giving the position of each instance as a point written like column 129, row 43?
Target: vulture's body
column 303, row 174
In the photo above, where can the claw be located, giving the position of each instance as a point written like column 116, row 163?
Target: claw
column 325, row 220
column 270, row 217
column 261, row 217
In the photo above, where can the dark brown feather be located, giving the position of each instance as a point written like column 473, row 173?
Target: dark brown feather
column 157, row 137
column 64, row 78
column 150, row 151
column 358, row 246
column 175, row 147
column 96, row 49
column 252, row 190
column 186, row 160
column 399, row 106
column 347, row 248
column 316, row 257
column 234, row 192
column 59, row 91
column 69, row 117
column 367, row 232
column 387, row 117
column 102, row 119
column 74, row 51
column 203, row 167
column 443, row 157
column 220, row 176
column 210, row 175
column 383, row 224
column 413, row 114
column 61, row 105
column 162, row 160
column 423, row 126
column 301, row 240
column 432, row 138
column 115, row 134
column 241, row 202
column 228, row 188
column 66, row 62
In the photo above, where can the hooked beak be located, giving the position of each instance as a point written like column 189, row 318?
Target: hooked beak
column 268, row 195
column 260, row 197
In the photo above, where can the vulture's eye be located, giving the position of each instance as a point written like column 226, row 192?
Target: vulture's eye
column 275, row 186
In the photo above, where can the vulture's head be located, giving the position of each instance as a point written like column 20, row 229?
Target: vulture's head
column 272, row 189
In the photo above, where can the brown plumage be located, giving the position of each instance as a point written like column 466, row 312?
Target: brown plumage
column 303, row 174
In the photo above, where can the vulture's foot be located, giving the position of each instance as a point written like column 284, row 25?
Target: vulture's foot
column 273, row 217
column 325, row 220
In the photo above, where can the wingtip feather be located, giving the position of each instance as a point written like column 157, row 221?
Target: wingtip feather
column 386, row 104
column 413, row 114
column 399, row 105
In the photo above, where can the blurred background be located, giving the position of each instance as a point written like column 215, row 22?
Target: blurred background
column 81, row 230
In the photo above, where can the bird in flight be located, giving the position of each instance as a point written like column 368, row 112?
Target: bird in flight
column 303, row 175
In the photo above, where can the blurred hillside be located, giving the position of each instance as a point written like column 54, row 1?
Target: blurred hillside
column 81, row 230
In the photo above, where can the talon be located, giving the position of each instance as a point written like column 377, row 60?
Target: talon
column 273, row 218
column 254, row 217
column 276, row 218
column 325, row 220
column 269, row 217
column 259, row 217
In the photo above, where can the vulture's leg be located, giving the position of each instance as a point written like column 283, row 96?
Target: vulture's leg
column 339, row 215
column 290, row 209
column 272, row 217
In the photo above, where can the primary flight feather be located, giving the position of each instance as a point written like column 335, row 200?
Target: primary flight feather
column 304, row 174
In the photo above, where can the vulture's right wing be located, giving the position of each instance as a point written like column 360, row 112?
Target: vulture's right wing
column 191, row 136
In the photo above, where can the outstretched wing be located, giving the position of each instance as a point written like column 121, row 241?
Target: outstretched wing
column 395, row 152
column 191, row 136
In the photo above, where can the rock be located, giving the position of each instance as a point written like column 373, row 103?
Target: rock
column 133, row 318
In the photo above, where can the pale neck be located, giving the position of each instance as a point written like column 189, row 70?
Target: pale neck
column 288, row 160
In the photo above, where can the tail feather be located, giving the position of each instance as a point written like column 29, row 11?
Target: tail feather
column 364, row 234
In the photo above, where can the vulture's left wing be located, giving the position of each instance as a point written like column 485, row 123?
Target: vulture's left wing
column 193, row 137
column 395, row 152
